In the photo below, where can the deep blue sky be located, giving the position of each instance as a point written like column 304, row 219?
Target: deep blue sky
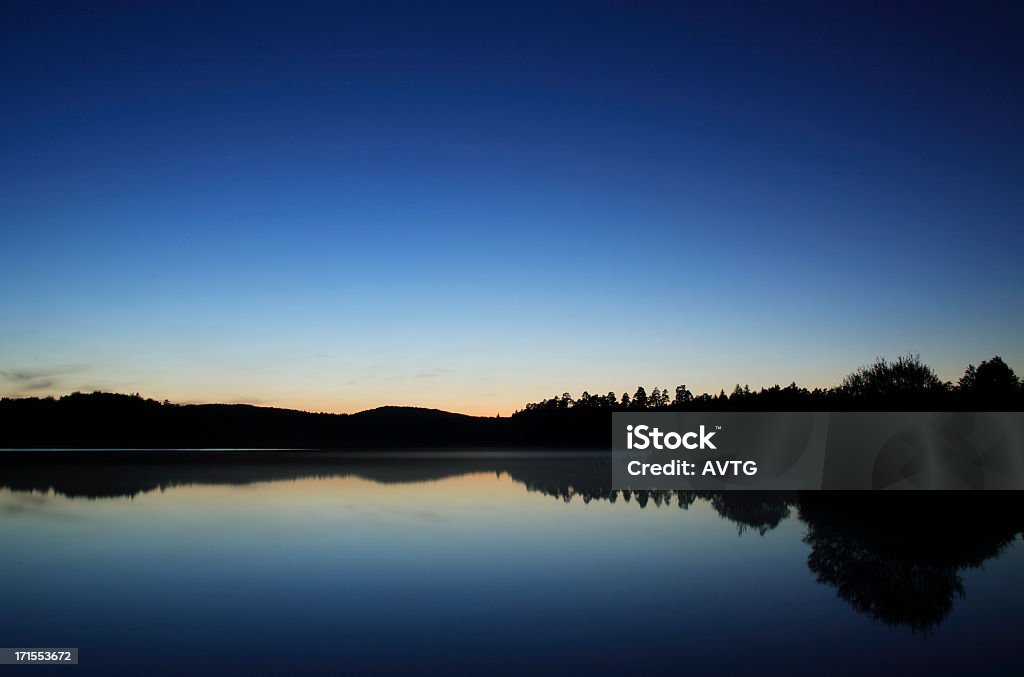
column 475, row 205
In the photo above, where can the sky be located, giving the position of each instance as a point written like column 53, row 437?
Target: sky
column 471, row 206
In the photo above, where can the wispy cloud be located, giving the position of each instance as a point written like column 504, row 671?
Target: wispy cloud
column 17, row 375
column 406, row 376
column 255, row 401
column 425, row 374
column 433, row 373
column 30, row 380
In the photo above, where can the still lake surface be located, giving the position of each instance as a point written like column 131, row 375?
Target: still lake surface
column 492, row 563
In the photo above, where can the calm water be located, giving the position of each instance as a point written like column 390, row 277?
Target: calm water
column 494, row 563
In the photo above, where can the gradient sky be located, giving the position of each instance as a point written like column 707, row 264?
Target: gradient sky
column 472, row 206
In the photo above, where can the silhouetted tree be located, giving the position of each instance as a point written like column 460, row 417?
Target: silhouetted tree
column 640, row 398
column 992, row 379
column 740, row 394
column 968, row 381
column 683, row 396
column 659, row 398
column 907, row 375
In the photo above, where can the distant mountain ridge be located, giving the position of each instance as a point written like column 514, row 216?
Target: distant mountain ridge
column 107, row 420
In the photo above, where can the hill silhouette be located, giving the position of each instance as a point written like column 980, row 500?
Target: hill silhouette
column 108, row 420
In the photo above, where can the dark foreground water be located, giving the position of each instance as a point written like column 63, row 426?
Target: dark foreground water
column 491, row 563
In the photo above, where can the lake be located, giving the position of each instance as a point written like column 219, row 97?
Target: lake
column 442, row 563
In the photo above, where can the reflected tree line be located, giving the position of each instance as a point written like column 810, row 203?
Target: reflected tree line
column 897, row 557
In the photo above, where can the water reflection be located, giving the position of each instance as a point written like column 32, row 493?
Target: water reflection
column 898, row 558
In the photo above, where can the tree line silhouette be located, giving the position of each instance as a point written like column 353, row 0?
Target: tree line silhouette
column 131, row 421
column 905, row 383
